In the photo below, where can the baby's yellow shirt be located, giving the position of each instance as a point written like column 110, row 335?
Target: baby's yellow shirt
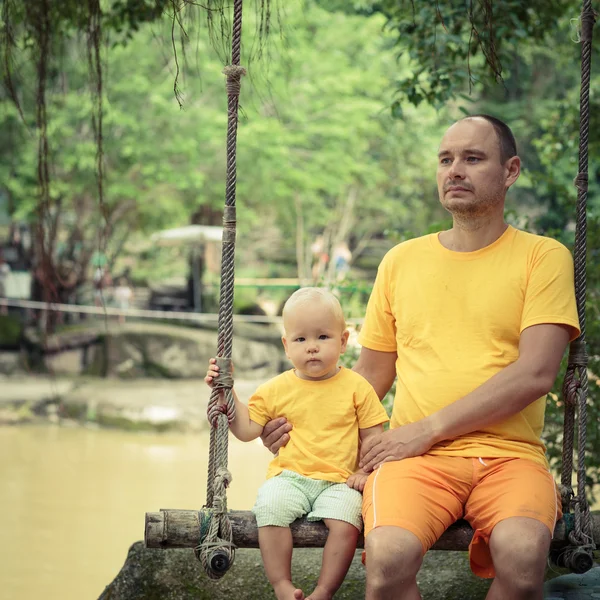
column 326, row 417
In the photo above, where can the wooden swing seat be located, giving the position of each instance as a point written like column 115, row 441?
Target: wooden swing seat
column 181, row 529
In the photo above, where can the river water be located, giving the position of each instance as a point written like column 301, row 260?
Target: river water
column 72, row 500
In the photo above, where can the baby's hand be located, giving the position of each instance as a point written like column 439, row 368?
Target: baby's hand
column 212, row 373
column 357, row 481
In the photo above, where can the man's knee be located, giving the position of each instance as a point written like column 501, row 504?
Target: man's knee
column 393, row 555
column 519, row 548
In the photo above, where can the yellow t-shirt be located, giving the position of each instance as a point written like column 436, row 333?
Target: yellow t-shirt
column 455, row 319
column 326, row 416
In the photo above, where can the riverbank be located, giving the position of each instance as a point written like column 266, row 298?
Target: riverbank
column 135, row 405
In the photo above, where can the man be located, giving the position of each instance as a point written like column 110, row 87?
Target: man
column 474, row 322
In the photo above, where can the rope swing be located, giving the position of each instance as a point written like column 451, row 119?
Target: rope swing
column 209, row 531
column 216, row 550
column 578, row 555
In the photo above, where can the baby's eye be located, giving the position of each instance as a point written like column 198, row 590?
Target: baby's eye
column 323, row 336
column 299, row 339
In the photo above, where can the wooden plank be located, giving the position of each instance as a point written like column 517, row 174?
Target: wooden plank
column 180, row 529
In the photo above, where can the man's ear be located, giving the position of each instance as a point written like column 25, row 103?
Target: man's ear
column 345, row 336
column 513, row 170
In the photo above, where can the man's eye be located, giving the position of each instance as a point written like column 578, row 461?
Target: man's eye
column 473, row 159
column 444, row 161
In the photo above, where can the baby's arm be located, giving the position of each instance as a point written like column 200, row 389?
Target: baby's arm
column 357, row 480
column 242, row 426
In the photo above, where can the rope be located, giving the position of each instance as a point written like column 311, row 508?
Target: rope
column 575, row 387
column 217, row 552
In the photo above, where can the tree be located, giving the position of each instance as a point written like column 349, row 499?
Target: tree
column 455, row 45
column 46, row 32
column 320, row 150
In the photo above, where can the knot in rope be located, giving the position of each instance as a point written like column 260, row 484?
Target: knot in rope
column 216, row 408
column 588, row 19
column 222, row 481
column 578, row 356
column 222, row 387
column 216, row 551
column 234, row 75
column 566, row 494
column 581, row 182
column 225, row 379
column 571, row 386
column 215, row 554
column 229, row 225
column 214, row 411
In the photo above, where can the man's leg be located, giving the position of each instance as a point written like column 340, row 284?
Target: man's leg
column 519, row 548
column 407, row 505
column 394, row 557
column 513, row 509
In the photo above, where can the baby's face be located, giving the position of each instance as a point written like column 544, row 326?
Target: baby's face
column 314, row 339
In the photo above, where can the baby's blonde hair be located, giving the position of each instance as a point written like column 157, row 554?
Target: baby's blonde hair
column 310, row 294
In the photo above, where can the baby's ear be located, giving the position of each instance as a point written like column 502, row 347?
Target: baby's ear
column 284, row 342
column 345, row 335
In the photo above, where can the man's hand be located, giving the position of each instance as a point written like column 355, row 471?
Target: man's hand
column 409, row 440
column 357, row 481
column 275, row 434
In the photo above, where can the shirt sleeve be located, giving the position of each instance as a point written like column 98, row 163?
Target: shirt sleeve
column 257, row 407
column 369, row 410
column 379, row 329
column 550, row 293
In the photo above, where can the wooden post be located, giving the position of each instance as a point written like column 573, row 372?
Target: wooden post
column 181, row 529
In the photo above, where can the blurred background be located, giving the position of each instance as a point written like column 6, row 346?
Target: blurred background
column 112, row 165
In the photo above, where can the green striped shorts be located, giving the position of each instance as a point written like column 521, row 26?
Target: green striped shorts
column 289, row 496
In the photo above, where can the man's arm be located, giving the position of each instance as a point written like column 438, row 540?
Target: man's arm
column 378, row 368
column 532, row 375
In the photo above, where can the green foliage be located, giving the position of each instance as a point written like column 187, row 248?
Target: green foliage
column 316, row 145
column 454, row 45
column 11, row 331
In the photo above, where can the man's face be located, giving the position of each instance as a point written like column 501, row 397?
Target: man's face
column 471, row 179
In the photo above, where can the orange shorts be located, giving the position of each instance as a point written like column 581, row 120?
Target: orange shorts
column 426, row 494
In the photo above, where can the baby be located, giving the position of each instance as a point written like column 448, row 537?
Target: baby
column 332, row 410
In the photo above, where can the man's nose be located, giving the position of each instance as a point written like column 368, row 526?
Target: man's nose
column 456, row 170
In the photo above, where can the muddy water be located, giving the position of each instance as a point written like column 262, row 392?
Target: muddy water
column 72, row 501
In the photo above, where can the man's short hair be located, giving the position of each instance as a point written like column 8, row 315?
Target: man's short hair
column 310, row 294
column 506, row 139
